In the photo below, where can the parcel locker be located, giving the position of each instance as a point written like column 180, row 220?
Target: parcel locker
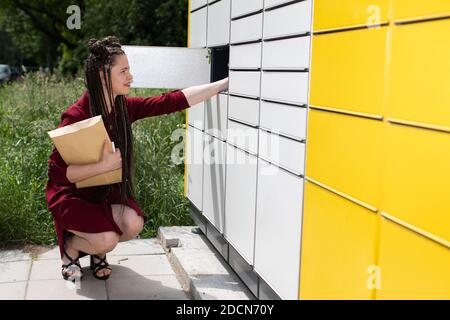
column 243, row 136
column 424, row 88
column 348, row 69
column 284, row 119
column 293, row 19
column 240, row 202
column 417, row 178
column 197, row 31
column 412, row 265
column 247, row 29
column 214, row 181
column 287, row 54
column 338, row 247
column 289, row 87
column 355, row 147
column 244, row 110
column 247, row 56
column 196, row 115
column 338, row 14
column 282, row 151
column 245, row 83
column 216, row 116
column 278, row 228
column 194, row 163
column 239, row 7
column 218, row 23
column 419, row 10
column 272, row 3
column 195, row 4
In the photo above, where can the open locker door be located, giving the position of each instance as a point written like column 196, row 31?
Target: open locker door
column 168, row 67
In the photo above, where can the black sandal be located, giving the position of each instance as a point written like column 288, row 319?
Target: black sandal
column 75, row 262
column 96, row 267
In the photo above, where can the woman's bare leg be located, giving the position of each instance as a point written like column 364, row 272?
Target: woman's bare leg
column 93, row 244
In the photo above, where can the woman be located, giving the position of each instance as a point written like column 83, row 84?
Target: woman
column 93, row 220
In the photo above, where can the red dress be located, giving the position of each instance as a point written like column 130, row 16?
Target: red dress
column 80, row 209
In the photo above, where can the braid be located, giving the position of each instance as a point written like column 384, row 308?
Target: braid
column 101, row 59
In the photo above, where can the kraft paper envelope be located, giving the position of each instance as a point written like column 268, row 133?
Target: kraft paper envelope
column 82, row 143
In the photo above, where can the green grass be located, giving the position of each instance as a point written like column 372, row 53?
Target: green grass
column 30, row 108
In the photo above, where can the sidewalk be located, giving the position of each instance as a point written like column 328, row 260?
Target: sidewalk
column 141, row 270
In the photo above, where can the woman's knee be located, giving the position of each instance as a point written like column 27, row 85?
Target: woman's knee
column 132, row 223
column 105, row 241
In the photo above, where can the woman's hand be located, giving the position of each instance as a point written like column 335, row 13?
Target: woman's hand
column 110, row 160
column 224, row 83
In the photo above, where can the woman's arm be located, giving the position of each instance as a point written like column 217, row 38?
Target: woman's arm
column 76, row 173
column 109, row 161
column 197, row 94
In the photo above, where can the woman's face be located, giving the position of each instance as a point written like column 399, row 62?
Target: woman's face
column 121, row 77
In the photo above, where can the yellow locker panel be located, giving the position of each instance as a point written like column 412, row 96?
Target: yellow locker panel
column 416, row 9
column 331, row 14
column 412, row 266
column 417, row 178
column 343, row 152
column 338, row 247
column 420, row 72
column 347, row 70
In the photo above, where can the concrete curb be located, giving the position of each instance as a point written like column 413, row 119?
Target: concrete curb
column 201, row 270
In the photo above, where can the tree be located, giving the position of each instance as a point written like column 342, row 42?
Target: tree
column 38, row 28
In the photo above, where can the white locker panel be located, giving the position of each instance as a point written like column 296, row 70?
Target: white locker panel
column 272, row 3
column 243, row 136
column 288, row 20
column 216, row 116
column 247, row 56
column 285, row 86
column 194, row 162
column 214, row 181
column 160, row 67
column 285, row 152
column 245, row 83
column 290, row 53
column 196, row 115
column 247, row 29
column 197, row 31
column 240, row 202
column 284, row 119
column 197, row 4
column 243, row 109
column 278, row 229
column 218, row 23
column 241, row 7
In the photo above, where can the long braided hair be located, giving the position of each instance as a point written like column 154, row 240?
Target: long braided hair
column 101, row 59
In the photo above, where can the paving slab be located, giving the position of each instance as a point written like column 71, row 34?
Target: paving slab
column 13, row 290
column 14, row 255
column 14, row 271
column 140, row 265
column 87, row 289
column 153, row 287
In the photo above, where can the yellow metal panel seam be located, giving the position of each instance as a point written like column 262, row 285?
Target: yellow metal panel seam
column 306, row 148
column 424, row 18
column 420, row 125
column 351, row 28
column 348, row 112
column 417, row 230
column 384, row 108
column 343, row 195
